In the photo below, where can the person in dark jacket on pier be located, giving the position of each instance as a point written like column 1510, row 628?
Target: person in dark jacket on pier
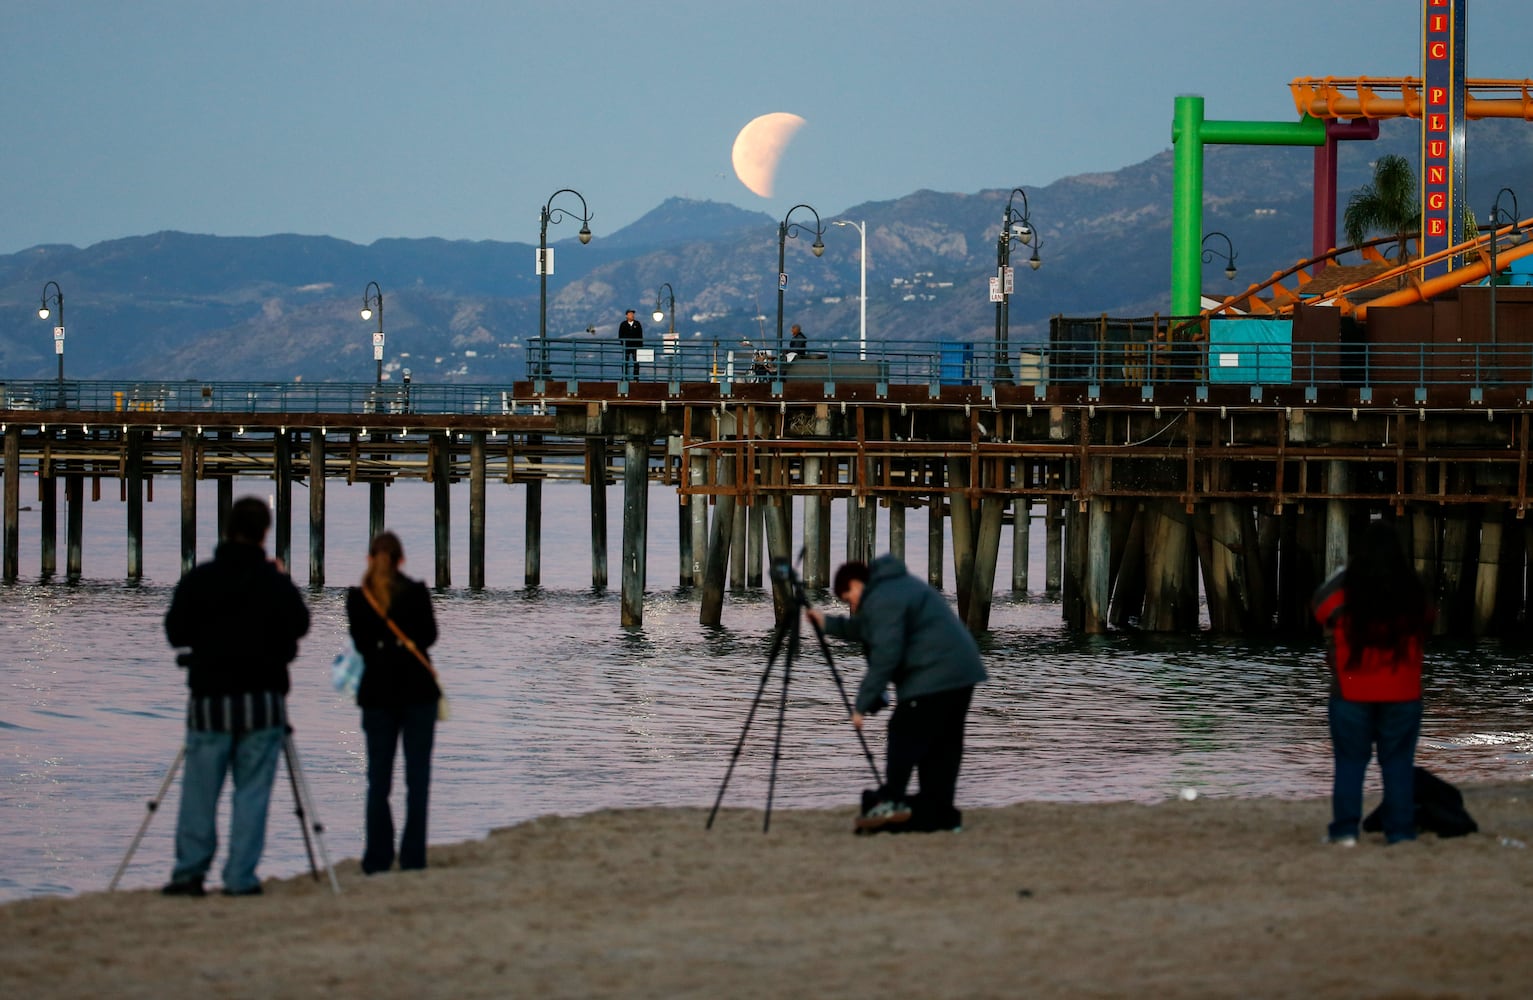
column 398, row 696
column 241, row 617
column 914, row 641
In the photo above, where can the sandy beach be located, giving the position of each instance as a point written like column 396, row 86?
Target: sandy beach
column 1212, row 897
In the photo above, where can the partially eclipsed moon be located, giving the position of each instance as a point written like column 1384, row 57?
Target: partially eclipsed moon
column 759, row 146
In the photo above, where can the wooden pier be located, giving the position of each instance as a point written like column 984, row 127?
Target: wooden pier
column 1165, row 510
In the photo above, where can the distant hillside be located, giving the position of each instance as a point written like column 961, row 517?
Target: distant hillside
column 176, row 305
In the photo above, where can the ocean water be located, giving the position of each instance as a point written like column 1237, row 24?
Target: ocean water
column 557, row 708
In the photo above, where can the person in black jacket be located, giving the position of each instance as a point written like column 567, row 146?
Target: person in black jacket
column 914, row 641
column 398, row 696
column 630, row 333
column 241, row 617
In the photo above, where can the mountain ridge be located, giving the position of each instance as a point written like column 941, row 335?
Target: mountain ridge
column 172, row 305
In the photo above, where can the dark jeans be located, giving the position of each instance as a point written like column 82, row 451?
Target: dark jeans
column 386, row 728
column 926, row 738
column 1356, row 727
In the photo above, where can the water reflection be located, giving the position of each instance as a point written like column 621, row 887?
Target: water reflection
column 558, row 709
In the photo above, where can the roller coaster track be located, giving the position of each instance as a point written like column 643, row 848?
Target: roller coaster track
column 1400, row 97
column 1355, row 298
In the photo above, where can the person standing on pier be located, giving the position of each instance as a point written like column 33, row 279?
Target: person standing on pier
column 914, row 641
column 392, row 625
column 241, row 617
column 1376, row 614
column 631, row 334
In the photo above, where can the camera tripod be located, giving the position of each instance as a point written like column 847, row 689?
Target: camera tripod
column 300, row 787
column 787, row 632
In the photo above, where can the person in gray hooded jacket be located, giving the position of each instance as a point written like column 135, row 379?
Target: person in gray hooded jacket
column 914, row 641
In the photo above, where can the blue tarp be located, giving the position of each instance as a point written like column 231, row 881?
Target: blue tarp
column 1250, row 351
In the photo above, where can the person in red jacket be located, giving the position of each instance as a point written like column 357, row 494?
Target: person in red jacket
column 1376, row 614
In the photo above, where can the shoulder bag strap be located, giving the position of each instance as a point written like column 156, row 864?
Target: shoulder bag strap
column 399, row 634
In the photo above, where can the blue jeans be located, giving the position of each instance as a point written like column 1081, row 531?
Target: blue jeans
column 252, row 757
column 1356, row 728
column 415, row 727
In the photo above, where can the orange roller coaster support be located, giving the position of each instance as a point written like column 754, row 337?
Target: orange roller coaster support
column 1400, row 97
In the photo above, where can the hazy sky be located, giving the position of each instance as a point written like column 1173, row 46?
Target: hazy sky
column 459, row 119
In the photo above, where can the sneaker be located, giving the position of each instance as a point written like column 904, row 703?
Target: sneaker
column 187, row 887
column 254, row 890
column 1345, row 840
column 884, row 814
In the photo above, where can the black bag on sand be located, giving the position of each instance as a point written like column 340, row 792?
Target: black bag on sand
column 1439, row 808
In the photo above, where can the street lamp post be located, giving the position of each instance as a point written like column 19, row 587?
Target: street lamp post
column 58, row 327
column 862, row 297
column 1498, row 215
column 670, row 346
column 786, row 229
column 545, row 262
column 666, row 292
column 1001, row 292
column 372, row 299
column 1228, row 255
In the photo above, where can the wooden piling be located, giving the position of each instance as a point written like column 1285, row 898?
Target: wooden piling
column 935, row 538
column 282, row 520
column 135, row 485
column 74, row 498
column 377, row 512
column 1053, row 544
column 476, row 508
column 816, row 575
column 635, row 526
column 1098, row 561
column 440, row 457
column 720, row 535
column 897, row 529
column 48, row 516
column 987, row 553
column 757, row 540
column 317, row 507
column 1487, row 573
column 188, row 501
column 532, row 571
column 962, row 520
column 737, row 544
column 1021, row 542
column 12, row 502
column 596, row 477
column 698, row 463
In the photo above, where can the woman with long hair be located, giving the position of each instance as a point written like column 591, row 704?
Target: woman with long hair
column 398, row 696
column 1376, row 614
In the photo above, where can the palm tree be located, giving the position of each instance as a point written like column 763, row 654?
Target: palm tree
column 1391, row 204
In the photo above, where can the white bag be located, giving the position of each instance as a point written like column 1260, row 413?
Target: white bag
column 346, row 669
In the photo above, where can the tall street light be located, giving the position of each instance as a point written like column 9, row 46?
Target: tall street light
column 666, row 292
column 58, row 327
column 1001, row 284
column 1498, row 216
column 862, row 298
column 372, row 297
column 1228, row 255
column 545, row 262
column 786, row 229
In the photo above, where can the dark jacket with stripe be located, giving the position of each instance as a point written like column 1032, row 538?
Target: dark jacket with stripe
column 241, row 617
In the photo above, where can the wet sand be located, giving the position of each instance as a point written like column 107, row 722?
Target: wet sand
column 1208, row 898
